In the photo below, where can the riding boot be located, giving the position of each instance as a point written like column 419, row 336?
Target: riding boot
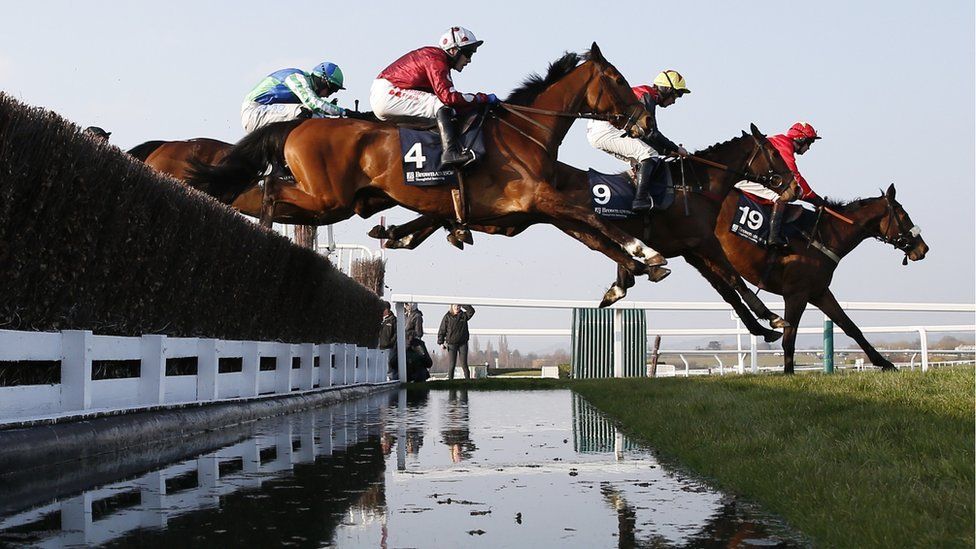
column 775, row 238
column 645, row 170
column 452, row 154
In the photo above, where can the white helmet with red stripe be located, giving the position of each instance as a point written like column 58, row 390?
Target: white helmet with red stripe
column 459, row 37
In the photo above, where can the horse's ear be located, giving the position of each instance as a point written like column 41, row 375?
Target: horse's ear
column 595, row 53
column 890, row 193
column 755, row 132
column 744, row 134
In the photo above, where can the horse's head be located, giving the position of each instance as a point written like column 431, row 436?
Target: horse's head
column 766, row 167
column 608, row 93
column 896, row 228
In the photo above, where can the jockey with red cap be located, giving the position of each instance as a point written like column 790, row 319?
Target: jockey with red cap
column 418, row 87
column 796, row 141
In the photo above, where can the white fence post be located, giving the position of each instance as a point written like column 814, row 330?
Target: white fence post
column 326, row 352
column 402, row 342
column 207, row 369
column 250, row 366
column 361, row 365
column 618, row 343
column 152, row 370
column 924, row 343
column 349, row 377
column 307, row 353
column 754, row 354
column 283, row 368
column 76, row 369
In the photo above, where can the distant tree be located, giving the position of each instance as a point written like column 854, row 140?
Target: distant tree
column 714, row 346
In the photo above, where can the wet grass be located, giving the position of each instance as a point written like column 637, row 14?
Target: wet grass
column 851, row 460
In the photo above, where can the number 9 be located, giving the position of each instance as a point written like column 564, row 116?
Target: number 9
column 601, row 193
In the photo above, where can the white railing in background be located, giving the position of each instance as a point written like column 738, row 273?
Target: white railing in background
column 78, row 394
column 692, row 306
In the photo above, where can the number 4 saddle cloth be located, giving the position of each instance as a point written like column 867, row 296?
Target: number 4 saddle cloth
column 751, row 219
column 421, row 154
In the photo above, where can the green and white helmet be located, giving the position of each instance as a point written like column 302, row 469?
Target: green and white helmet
column 331, row 73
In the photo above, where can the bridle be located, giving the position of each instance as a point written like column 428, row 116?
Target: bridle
column 770, row 179
column 906, row 238
column 629, row 120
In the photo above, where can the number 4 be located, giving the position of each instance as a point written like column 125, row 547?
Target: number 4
column 415, row 155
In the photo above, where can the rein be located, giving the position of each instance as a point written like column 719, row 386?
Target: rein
column 765, row 179
column 517, row 110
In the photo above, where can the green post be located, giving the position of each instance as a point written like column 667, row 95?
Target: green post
column 828, row 347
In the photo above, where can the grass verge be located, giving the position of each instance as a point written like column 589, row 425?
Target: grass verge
column 851, row 460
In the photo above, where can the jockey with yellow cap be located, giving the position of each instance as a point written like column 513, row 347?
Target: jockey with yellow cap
column 418, row 87
column 796, row 140
column 645, row 152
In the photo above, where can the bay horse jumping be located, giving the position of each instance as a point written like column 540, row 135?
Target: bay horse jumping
column 802, row 274
column 687, row 228
column 345, row 166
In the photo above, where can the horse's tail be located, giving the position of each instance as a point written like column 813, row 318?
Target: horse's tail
column 244, row 164
column 142, row 152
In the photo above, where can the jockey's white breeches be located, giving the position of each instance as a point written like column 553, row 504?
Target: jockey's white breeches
column 602, row 135
column 390, row 102
column 757, row 189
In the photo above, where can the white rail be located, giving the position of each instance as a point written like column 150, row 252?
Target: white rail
column 79, row 394
column 921, row 330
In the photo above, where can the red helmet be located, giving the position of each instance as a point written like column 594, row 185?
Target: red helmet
column 802, row 130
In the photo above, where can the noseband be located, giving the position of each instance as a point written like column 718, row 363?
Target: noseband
column 906, row 239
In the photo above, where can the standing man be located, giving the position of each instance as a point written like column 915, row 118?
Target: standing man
column 453, row 335
column 414, row 322
column 388, row 339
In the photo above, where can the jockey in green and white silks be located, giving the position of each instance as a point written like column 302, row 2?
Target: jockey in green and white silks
column 291, row 93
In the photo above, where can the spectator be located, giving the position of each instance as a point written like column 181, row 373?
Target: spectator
column 453, row 335
column 414, row 322
column 418, row 361
column 388, row 338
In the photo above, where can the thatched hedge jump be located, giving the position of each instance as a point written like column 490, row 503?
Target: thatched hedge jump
column 93, row 239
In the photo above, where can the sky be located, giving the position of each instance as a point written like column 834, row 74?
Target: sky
column 888, row 85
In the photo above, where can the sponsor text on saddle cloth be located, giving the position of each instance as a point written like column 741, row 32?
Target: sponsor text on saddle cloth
column 421, row 152
column 751, row 220
column 612, row 194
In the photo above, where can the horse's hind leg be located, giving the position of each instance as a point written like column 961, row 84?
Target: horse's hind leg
column 795, row 305
column 827, row 303
column 633, row 246
column 730, row 296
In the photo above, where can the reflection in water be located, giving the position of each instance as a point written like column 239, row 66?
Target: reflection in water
column 358, row 474
column 455, row 434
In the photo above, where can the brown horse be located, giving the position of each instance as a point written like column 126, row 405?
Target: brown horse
column 175, row 158
column 672, row 231
column 344, row 167
column 802, row 274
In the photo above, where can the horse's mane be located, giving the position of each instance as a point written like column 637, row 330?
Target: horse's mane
column 534, row 84
column 720, row 147
column 855, row 204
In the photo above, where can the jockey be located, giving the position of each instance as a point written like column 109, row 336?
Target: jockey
column 289, row 94
column 796, row 141
column 646, row 152
column 418, row 86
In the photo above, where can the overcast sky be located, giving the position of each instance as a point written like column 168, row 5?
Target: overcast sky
column 889, row 85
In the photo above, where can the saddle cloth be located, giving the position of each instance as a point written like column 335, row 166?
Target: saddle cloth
column 421, row 154
column 751, row 220
column 612, row 194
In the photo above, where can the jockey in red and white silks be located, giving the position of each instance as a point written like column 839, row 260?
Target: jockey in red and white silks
column 418, row 86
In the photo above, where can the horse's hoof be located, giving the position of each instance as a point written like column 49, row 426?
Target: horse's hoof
column 464, row 235
column 453, row 239
column 657, row 274
column 379, row 232
column 779, row 323
column 771, row 336
column 393, row 244
column 889, row 367
column 613, row 295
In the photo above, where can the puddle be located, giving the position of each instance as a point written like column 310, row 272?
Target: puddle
column 418, row 469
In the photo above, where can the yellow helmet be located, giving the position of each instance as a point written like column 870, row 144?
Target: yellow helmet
column 671, row 79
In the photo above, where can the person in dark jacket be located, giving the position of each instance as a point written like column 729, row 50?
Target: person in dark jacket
column 388, row 338
column 453, row 335
column 414, row 322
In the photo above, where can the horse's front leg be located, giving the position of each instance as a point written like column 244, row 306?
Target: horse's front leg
column 827, row 303
column 795, row 305
column 633, row 246
column 409, row 235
